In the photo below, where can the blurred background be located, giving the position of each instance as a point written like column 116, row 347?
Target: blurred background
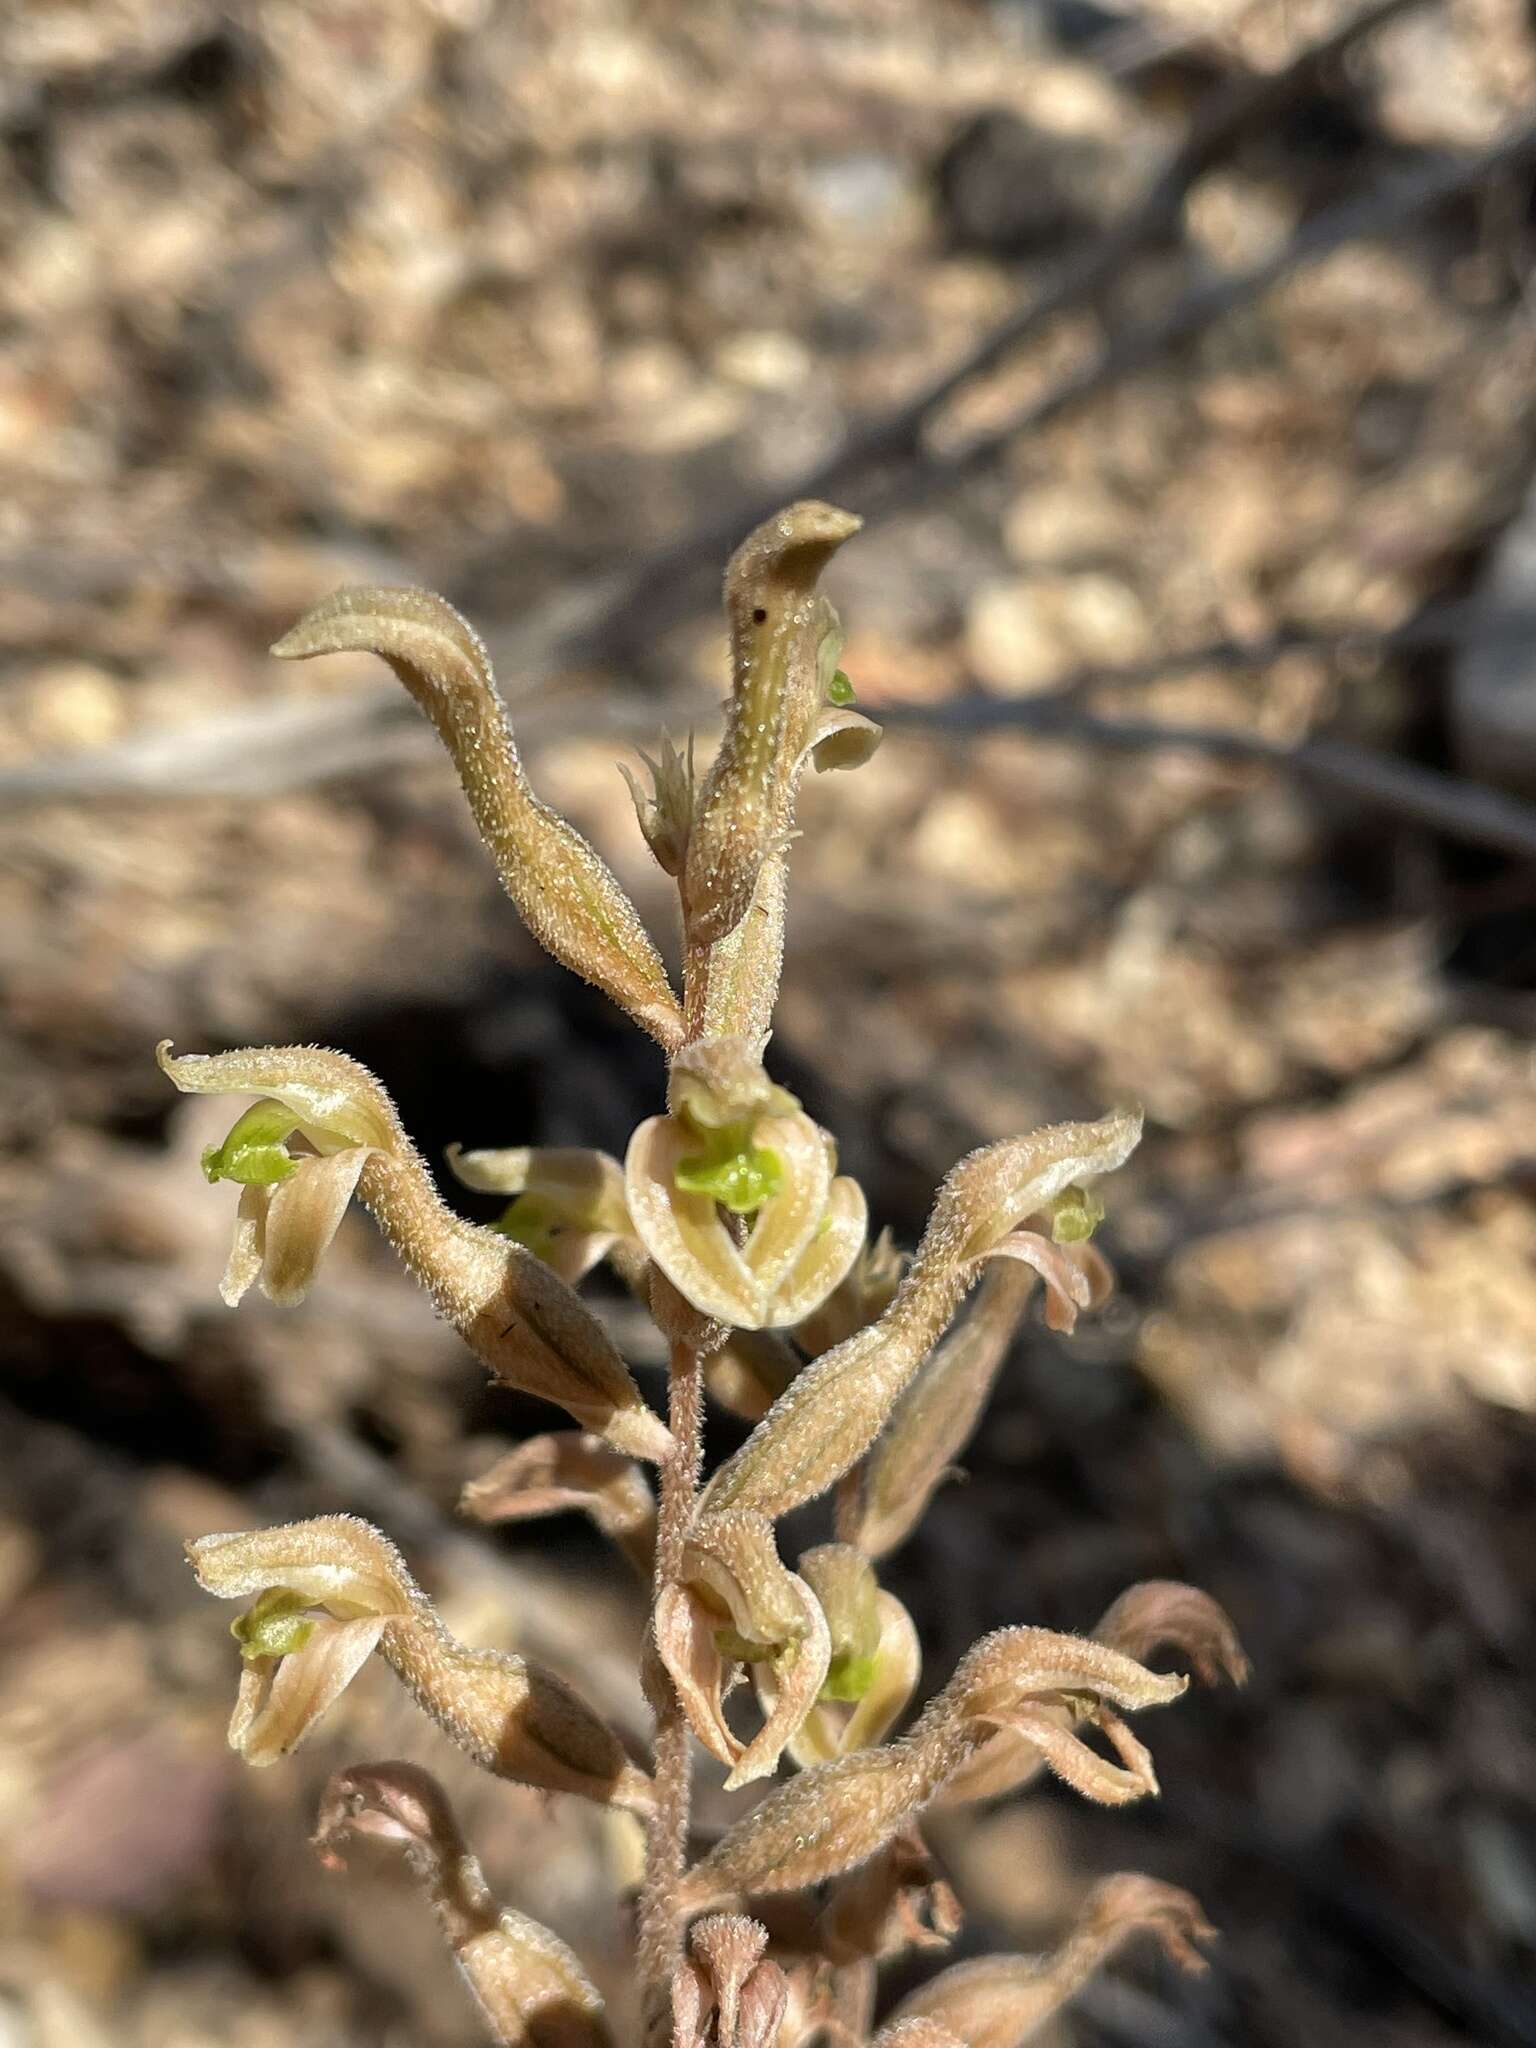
column 1180, row 354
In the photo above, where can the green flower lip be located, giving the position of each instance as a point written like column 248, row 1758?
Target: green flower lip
column 1075, row 1215
column 840, row 690
column 849, row 1677
column 731, row 1169
column 255, row 1153
column 275, row 1626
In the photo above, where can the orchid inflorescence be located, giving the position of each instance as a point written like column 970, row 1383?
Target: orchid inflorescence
column 729, row 1221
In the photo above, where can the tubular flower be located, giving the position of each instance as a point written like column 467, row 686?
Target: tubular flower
column 873, row 1668
column 737, row 1604
column 568, row 1202
column 827, row 1418
column 325, row 1594
column 516, row 1314
column 733, row 1144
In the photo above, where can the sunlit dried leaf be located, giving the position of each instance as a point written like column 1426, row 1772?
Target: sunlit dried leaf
column 531, row 1989
column 566, row 1470
column 565, row 894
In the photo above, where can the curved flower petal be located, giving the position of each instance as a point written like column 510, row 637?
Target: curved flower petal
column 279, row 1707
column 336, row 1101
column 800, row 1670
column 1067, row 1287
column 338, row 1562
column 789, row 1220
column 686, row 1640
column 826, row 1260
column 683, row 1232
column 303, row 1214
column 249, row 1247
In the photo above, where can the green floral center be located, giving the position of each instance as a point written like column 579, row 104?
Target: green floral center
column 275, row 1626
column 531, row 1221
column 1075, row 1216
column 731, row 1169
column 255, row 1152
column 840, row 689
column 849, row 1676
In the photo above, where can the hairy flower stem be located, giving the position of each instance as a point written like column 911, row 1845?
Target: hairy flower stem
column 666, row 1852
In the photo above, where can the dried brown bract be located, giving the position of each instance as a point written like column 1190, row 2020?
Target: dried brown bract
column 729, row 1222
column 531, row 1989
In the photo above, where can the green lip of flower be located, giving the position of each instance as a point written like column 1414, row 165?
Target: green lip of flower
column 275, row 1626
column 1075, row 1215
column 255, row 1153
column 849, row 1677
column 731, row 1169
column 840, row 690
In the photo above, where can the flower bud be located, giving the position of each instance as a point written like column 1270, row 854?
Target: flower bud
column 565, row 894
column 531, row 1990
column 777, row 631
column 826, row 1820
column 666, row 815
column 726, row 1994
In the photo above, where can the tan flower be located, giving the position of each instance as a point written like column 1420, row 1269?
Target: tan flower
column 325, row 1593
column 733, row 1144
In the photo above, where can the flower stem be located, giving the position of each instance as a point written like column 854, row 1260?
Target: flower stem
column 666, row 1853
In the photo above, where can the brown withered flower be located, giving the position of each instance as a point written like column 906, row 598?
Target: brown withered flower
column 861, row 1374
